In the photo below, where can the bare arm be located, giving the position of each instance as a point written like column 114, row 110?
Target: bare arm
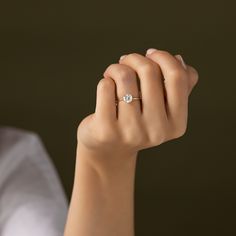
column 102, row 202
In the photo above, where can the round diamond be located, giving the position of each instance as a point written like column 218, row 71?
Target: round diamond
column 128, row 98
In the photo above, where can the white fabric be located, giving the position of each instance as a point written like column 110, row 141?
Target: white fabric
column 32, row 200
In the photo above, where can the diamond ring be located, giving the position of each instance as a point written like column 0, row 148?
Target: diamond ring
column 128, row 98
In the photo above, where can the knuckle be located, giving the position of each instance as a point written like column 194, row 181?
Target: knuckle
column 132, row 137
column 156, row 138
column 179, row 132
column 157, row 132
column 106, row 135
column 112, row 66
column 105, row 83
column 122, row 72
column 162, row 53
column 194, row 70
column 109, row 68
column 177, row 74
column 146, row 67
column 125, row 74
column 141, row 139
column 128, row 140
column 158, row 52
column 195, row 75
column 133, row 54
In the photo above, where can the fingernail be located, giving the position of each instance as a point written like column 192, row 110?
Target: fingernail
column 122, row 57
column 179, row 57
column 150, row 50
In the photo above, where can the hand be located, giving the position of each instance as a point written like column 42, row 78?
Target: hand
column 165, row 83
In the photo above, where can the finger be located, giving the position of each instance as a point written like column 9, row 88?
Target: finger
column 192, row 73
column 105, row 102
column 151, row 83
column 194, row 77
column 181, row 61
column 126, row 83
column 176, row 85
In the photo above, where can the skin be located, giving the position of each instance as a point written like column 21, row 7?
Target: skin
column 108, row 141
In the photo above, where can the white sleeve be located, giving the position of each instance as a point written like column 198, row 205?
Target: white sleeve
column 32, row 200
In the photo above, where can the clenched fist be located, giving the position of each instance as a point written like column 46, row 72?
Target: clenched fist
column 164, row 82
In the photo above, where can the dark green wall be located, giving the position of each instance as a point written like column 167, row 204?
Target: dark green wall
column 54, row 53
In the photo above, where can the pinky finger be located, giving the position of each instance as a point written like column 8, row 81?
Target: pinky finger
column 192, row 72
column 193, row 78
column 105, row 101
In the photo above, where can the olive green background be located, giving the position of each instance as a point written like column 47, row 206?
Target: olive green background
column 54, row 53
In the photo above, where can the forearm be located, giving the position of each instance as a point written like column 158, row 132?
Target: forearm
column 103, row 196
column 102, row 201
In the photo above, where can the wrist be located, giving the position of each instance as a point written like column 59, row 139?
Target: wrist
column 106, row 163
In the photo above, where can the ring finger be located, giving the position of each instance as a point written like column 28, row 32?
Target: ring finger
column 151, row 83
column 126, row 83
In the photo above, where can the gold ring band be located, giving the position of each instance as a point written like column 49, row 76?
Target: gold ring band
column 128, row 98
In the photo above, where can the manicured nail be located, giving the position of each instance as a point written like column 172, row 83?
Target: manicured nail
column 122, row 57
column 150, row 50
column 179, row 57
